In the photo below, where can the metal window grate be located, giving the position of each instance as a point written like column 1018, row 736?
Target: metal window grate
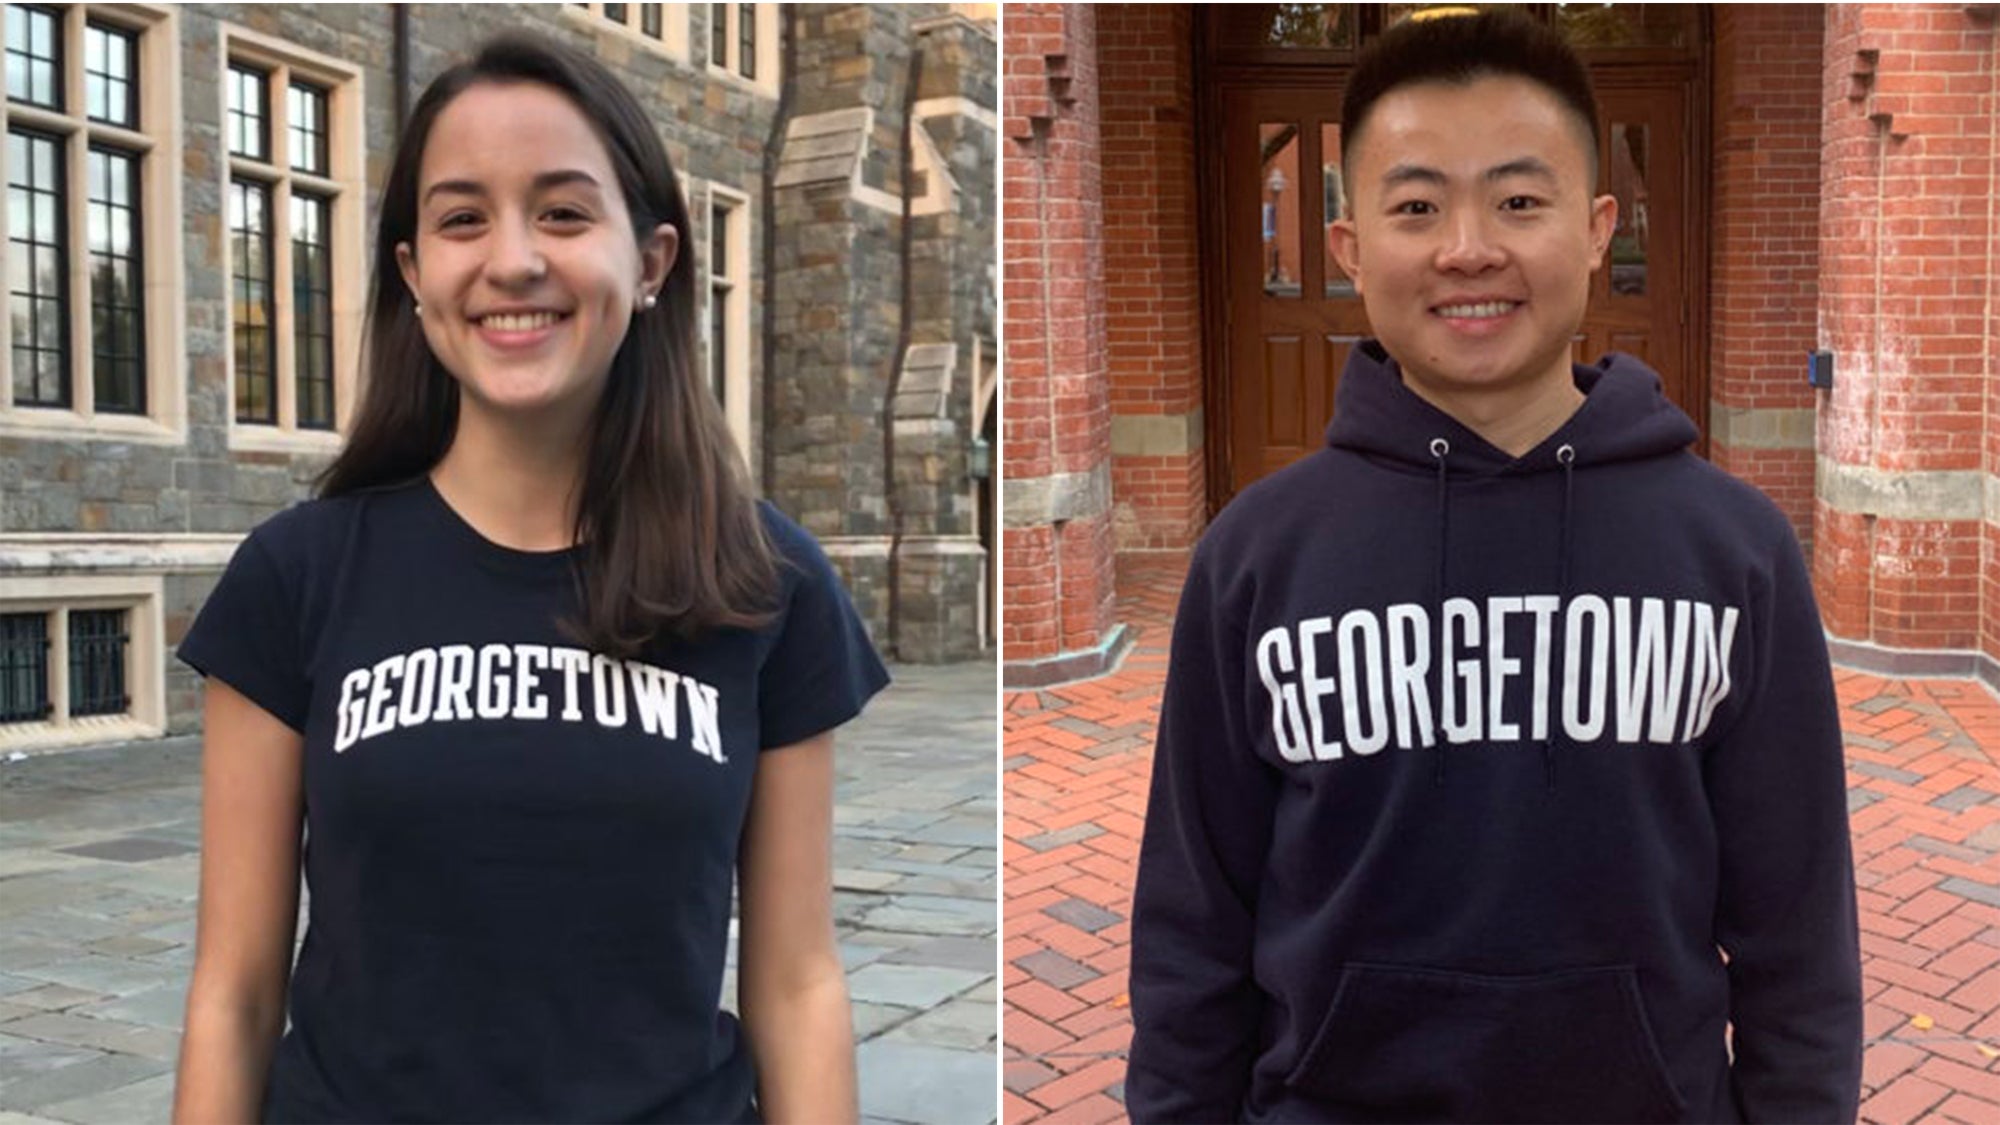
column 24, row 667
column 117, row 282
column 97, row 639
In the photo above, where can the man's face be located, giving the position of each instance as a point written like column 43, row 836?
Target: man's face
column 1474, row 233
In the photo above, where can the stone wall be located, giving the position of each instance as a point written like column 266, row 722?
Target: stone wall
column 912, row 559
column 835, row 303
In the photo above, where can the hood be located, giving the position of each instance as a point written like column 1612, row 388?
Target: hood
column 1624, row 417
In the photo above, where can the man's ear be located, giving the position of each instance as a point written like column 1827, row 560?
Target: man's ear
column 1603, row 221
column 1345, row 243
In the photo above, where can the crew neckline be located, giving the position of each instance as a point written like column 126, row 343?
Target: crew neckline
column 485, row 551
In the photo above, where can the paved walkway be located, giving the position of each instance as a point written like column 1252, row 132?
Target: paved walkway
column 1924, row 790
column 98, row 868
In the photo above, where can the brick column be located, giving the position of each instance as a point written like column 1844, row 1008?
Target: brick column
column 1153, row 287
column 1056, row 495
column 1908, row 255
column 1764, row 280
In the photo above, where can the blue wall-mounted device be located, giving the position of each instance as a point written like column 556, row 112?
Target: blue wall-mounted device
column 1819, row 370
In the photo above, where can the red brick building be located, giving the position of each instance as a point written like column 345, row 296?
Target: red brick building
column 1791, row 179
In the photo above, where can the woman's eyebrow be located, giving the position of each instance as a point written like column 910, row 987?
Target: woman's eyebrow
column 559, row 177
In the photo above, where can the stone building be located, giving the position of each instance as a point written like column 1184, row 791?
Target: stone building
column 191, row 193
column 1791, row 179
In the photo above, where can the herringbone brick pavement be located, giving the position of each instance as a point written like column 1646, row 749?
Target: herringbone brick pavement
column 1924, row 792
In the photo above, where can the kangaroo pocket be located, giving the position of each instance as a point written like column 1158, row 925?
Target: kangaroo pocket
column 1414, row 1044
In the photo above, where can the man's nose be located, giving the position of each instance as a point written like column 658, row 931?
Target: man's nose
column 1470, row 245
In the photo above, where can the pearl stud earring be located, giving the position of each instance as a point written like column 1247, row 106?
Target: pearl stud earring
column 647, row 301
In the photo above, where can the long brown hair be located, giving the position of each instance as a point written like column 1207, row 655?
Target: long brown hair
column 667, row 525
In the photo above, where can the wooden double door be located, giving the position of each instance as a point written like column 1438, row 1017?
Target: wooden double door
column 1282, row 316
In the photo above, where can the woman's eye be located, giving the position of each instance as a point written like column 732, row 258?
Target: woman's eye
column 566, row 215
column 457, row 219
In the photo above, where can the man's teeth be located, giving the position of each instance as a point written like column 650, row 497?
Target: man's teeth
column 520, row 322
column 1475, row 312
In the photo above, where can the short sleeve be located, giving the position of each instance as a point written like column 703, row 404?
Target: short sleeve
column 821, row 669
column 247, row 636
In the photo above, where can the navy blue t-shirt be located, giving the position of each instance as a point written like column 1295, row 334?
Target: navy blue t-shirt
column 519, row 853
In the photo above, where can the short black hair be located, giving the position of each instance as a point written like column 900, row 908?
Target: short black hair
column 1461, row 49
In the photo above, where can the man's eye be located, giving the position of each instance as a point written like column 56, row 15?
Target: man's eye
column 1521, row 203
column 1415, row 207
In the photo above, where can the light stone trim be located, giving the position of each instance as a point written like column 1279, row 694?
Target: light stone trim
column 162, row 230
column 956, row 105
column 941, row 188
column 769, row 60
column 1057, row 497
column 823, row 147
column 142, row 596
column 926, row 385
column 854, row 546
column 345, row 189
column 943, row 546
column 736, row 360
column 1936, row 495
column 961, row 14
column 1762, row 428
column 675, row 23
column 119, row 553
column 1156, row 435
column 1992, row 497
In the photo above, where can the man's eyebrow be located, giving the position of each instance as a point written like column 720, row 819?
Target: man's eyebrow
column 1524, row 166
column 544, row 181
column 1412, row 174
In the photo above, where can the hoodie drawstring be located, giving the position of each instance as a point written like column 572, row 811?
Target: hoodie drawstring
column 1566, row 456
column 1440, row 448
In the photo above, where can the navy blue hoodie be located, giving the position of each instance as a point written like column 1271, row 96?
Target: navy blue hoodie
column 1541, row 886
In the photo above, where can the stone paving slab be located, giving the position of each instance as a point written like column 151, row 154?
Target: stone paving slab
column 1923, row 775
column 99, row 869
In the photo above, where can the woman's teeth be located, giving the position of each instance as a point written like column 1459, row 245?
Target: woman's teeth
column 1476, row 312
column 520, row 322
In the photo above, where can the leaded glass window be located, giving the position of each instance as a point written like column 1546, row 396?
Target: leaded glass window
column 37, row 268
column 117, row 282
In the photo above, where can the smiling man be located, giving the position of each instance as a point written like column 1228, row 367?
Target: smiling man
column 1499, row 774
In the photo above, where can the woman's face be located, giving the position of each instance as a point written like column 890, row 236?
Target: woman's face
column 524, row 261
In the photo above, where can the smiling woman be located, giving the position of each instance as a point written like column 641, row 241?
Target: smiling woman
column 537, row 559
